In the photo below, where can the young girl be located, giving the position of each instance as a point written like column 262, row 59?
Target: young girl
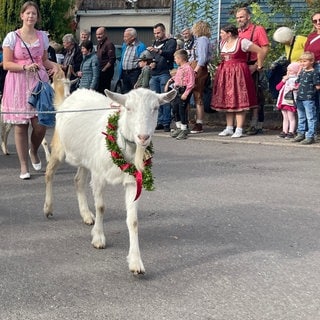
column 286, row 106
column 183, row 81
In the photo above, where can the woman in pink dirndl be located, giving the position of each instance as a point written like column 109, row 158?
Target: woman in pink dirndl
column 21, row 79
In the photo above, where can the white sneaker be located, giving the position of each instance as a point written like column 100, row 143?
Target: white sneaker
column 237, row 134
column 225, row 132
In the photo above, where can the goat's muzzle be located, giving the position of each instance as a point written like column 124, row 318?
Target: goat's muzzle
column 143, row 138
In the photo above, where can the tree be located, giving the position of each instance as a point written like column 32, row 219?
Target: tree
column 56, row 16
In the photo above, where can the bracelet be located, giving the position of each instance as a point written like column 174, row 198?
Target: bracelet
column 24, row 67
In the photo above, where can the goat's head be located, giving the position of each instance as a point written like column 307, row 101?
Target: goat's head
column 62, row 85
column 139, row 115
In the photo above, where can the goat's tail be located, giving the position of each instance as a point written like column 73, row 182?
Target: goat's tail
column 58, row 84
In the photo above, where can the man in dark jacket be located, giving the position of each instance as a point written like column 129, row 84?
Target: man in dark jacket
column 106, row 54
column 162, row 50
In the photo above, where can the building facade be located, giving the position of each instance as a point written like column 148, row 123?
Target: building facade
column 117, row 15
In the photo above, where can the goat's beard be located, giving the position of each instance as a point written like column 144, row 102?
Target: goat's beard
column 139, row 157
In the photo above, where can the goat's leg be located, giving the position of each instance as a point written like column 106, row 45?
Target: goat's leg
column 80, row 182
column 5, row 129
column 46, row 149
column 133, row 258
column 97, row 232
column 57, row 157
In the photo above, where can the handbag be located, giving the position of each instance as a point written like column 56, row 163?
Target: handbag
column 289, row 97
column 41, row 98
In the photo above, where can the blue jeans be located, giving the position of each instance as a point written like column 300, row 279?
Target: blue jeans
column 157, row 84
column 307, row 117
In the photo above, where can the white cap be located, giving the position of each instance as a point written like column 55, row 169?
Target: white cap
column 283, row 35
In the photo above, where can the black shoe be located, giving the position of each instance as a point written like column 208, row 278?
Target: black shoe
column 282, row 135
column 166, row 128
column 307, row 141
column 299, row 137
column 252, row 131
column 159, row 126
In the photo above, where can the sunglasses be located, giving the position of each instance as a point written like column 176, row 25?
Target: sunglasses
column 316, row 21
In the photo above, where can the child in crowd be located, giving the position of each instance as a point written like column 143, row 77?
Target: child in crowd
column 144, row 63
column 287, row 104
column 308, row 82
column 183, row 81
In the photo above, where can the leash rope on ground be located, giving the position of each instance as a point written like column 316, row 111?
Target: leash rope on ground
column 57, row 111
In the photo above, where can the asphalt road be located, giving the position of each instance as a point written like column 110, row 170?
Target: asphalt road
column 230, row 233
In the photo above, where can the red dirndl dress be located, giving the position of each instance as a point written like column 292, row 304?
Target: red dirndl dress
column 233, row 87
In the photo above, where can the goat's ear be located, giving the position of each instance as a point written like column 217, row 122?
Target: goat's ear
column 168, row 96
column 116, row 97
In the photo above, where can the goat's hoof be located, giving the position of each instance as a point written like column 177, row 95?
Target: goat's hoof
column 88, row 219
column 48, row 215
column 136, row 272
column 4, row 149
column 99, row 242
column 89, row 222
column 136, row 266
column 99, row 245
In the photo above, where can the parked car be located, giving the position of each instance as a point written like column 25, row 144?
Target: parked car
column 116, row 82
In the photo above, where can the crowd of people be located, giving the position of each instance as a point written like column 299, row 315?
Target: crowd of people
column 170, row 63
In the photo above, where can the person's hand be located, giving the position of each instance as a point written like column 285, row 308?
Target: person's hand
column 33, row 67
column 252, row 68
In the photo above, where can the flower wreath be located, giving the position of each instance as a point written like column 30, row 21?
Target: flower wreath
column 144, row 179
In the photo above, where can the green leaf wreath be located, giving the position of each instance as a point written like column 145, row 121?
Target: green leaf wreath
column 118, row 157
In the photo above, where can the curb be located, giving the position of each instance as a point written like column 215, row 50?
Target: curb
column 270, row 137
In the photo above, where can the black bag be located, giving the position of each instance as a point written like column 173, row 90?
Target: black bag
column 289, row 95
column 180, row 89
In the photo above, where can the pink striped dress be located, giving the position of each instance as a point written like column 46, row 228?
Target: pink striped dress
column 19, row 84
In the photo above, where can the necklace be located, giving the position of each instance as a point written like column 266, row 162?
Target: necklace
column 143, row 179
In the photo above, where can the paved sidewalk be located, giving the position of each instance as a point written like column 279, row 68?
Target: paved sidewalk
column 270, row 137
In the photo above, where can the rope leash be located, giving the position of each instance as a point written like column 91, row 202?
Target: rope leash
column 61, row 111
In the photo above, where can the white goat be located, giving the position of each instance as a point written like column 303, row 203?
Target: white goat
column 78, row 139
column 59, row 80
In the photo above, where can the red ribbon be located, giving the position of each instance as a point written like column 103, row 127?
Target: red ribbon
column 138, row 175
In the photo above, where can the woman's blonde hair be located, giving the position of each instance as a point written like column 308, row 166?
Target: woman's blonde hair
column 201, row 28
column 307, row 55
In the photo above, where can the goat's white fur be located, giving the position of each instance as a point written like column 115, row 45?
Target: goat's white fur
column 78, row 139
